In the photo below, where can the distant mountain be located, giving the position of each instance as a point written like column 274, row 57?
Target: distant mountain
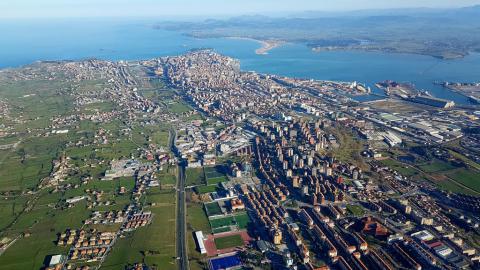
column 473, row 10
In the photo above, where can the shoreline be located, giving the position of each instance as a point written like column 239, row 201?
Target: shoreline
column 266, row 45
column 439, row 57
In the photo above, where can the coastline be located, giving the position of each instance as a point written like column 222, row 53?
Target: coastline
column 446, row 56
column 266, row 45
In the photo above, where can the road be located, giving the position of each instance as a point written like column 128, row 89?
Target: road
column 181, row 222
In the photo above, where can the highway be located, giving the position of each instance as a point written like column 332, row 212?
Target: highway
column 181, row 222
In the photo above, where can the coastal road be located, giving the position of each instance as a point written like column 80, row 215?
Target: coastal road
column 182, row 256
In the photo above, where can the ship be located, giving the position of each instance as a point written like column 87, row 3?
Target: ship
column 474, row 100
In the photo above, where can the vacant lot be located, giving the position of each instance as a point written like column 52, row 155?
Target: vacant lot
column 469, row 178
column 436, row 166
column 196, row 218
column 405, row 170
column 206, row 189
column 195, row 177
column 178, row 107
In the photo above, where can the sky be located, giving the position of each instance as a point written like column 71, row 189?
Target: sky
column 185, row 8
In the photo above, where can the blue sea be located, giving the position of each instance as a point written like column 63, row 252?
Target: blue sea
column 26, row 41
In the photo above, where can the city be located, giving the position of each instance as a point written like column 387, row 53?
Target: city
column 253, row 142
column 277, row 171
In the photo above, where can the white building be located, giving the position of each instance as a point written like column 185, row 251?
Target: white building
column 201, row 245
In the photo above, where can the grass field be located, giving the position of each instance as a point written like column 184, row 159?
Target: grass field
column 349, row 147
column 31, row 161
column 465, row 159
column 206, row 189
column 43, row 223
column 195, row 176
column 399, row 167
column 179, row 107
column 196, row 218
column 212, row 172
column 222, row 222
column 229, row 241
column 436, row 166
column 213, row 209
column 355, row 210
column 454, row 187
column 469, row 178
column 168, row 176
column 196, row 221
column 242, row 220
column 11, row 208
column 214, row 177
column 216, row 180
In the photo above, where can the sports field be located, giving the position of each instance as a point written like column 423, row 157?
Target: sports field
column 242, row 220
column 222, row 222
column 229, row 241
column 213, row 209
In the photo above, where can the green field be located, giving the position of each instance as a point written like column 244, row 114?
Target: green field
column 216, row 180
column 206, row 189
column 23, row 167
column 105, row 106
column 229, row 241
column 355, row 210
column 214, row 176
column 196, row 221
column 436, row 166
column 222, row 222
column 212, row 172
column 168, row 176
column 242, row 220
column 196, row 218
column 179, row 107
column 213, row 209
column 43, row 223
column 454, row 187
column 469, row 178
column 195, row 176
column 405, row 170
column 465, row 159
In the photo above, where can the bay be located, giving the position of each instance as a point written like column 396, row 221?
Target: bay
column 26, row 41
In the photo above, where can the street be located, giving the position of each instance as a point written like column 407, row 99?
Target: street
column 181, row 226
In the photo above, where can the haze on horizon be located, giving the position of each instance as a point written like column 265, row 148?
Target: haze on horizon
column 196, row 8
